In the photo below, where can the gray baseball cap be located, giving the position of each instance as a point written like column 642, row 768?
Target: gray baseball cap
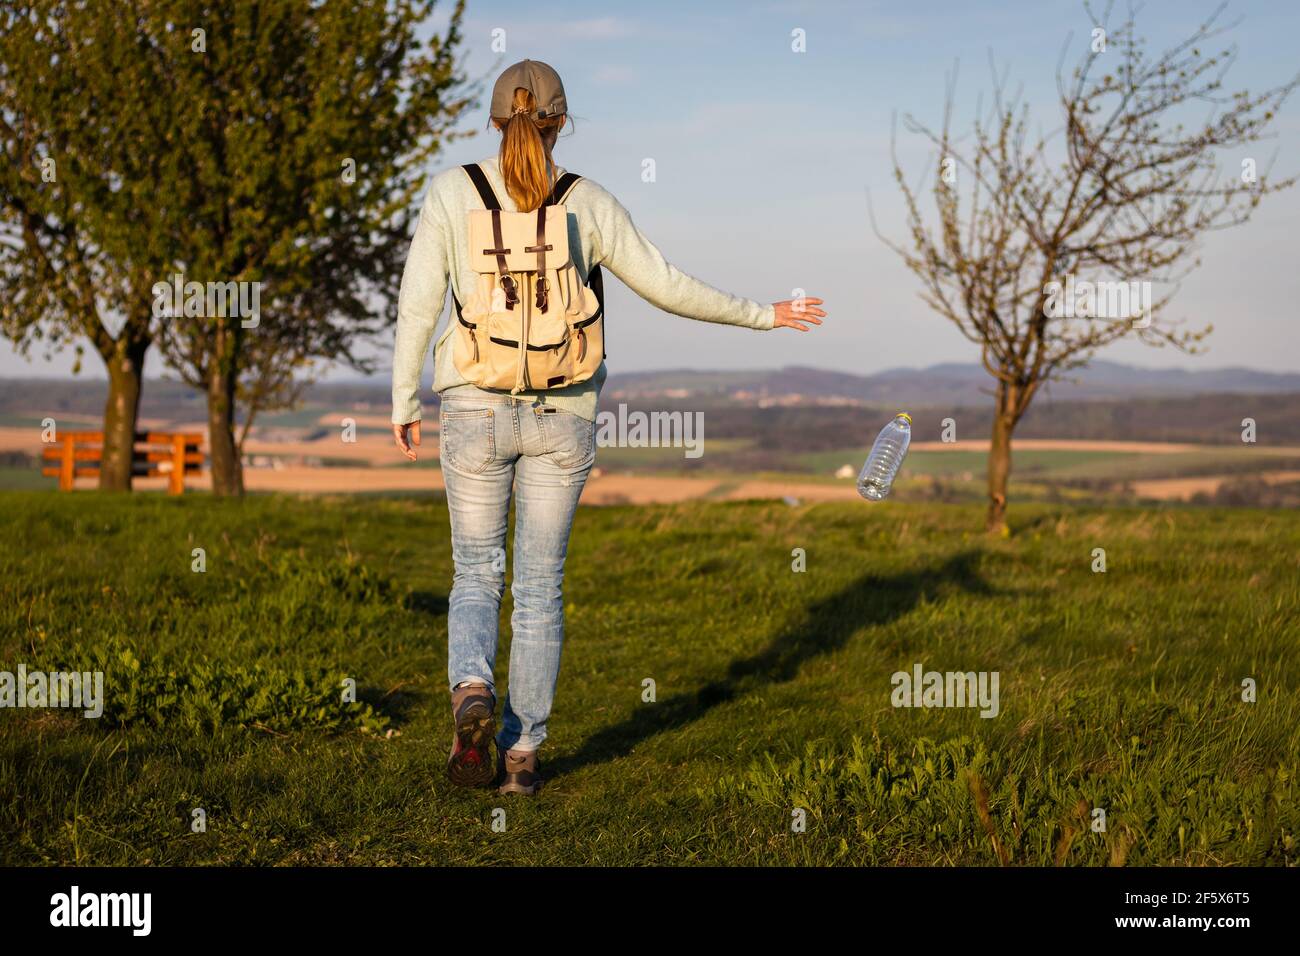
column 536, row 77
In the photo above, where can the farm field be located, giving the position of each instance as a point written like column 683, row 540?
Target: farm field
column 304, row 452
column 1119, row 690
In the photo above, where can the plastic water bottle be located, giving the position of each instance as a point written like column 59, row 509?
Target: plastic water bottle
column 886, row 456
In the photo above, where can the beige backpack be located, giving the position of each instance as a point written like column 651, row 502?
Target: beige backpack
column 530, row 324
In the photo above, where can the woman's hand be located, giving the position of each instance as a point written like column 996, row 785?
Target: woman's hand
column 793, row 313
column 399, row 435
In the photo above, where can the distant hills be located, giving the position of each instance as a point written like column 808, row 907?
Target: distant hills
column 946, row 385
column 943, row 386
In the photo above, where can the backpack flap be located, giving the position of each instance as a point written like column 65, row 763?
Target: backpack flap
column 518, row 240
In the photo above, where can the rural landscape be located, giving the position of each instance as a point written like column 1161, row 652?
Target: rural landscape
column 1117, row 434
column 1120, row 688
column 940, row 509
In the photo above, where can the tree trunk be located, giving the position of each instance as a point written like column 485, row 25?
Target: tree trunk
column 227, row 471
column 999, row 468
column 121, row 411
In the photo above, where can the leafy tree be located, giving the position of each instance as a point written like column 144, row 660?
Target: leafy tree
column 268, row 148
column 82, row 164
column 1121, row 193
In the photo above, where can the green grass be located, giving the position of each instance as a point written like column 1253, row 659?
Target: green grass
column 1118, row 690
column 17, row 478
column 1037, row 464
column 10, row 420
column 1032, row 462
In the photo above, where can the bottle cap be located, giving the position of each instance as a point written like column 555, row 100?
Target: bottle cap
column 904, row 415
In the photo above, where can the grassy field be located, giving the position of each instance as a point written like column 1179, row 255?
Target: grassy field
column 1119, row 691
column 950, row 463
column 1064, row 464
column 22, row 478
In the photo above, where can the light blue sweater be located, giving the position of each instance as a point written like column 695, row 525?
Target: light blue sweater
column 601, row 232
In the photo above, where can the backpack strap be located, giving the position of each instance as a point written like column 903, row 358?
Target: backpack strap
column 563, row 186
column 490, row 202
column 541, row 249
column 595, row 280
column 503, row 271
column 484, row 187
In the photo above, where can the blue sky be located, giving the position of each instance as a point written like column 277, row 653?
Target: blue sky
column 764, row 158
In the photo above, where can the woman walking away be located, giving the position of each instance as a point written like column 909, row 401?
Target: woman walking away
column 518, row 371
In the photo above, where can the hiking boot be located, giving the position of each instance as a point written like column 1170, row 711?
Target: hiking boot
column 522, row 773
column 470, row 763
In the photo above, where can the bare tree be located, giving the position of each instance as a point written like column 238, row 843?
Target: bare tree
column 1045, row 247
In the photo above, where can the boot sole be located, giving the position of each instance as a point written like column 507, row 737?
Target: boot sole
column 510, row 782
column 522, row 789
column 475, row 731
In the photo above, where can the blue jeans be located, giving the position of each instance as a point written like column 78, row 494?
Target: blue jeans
column 489, row 442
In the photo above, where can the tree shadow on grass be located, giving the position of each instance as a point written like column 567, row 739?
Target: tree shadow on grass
column 869, row 601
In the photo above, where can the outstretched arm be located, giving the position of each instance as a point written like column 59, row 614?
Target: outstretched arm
column 627, row 253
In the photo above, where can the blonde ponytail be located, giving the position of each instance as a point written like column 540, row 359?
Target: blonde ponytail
column 525, row 159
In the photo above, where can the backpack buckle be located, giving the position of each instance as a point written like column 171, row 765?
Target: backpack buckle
column 512, row 292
